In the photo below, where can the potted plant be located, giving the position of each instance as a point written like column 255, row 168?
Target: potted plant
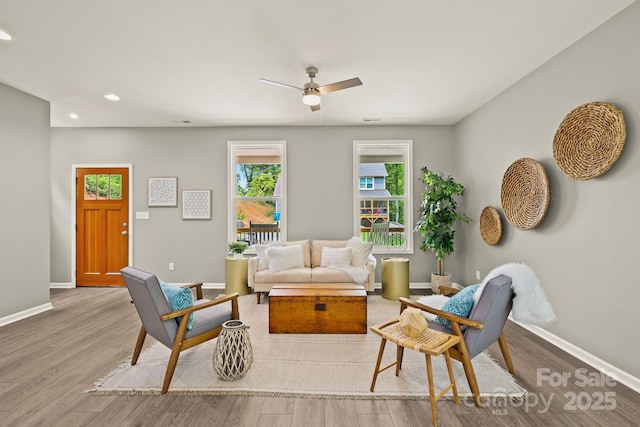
column 237, row 248
column 438, row 214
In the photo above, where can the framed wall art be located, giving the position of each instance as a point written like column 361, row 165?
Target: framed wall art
column 196, row 204
column 163, row 191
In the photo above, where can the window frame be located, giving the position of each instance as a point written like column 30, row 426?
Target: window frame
column 233, row 198
column 406, row 147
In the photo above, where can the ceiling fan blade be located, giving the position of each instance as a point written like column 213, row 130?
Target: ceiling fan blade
column 280, row 84
column 315, row 107
column 345, row 84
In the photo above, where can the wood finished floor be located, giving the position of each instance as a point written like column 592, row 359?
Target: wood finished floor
column 48, row 360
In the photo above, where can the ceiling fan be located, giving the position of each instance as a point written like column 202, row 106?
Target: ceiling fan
column 311, row 91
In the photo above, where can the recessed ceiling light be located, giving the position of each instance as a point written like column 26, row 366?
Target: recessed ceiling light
column 4, row 36
column 73, row 115
column 112, row 97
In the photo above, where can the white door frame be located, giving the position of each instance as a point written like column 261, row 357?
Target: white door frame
column 74, row 168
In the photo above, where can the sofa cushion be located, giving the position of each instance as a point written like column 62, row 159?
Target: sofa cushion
column 329, row 275
column 335, row 257
column 285, row 257
column 306, row 250
column 316, row 249
column 292, row 275
column 263, row 261
column 360, row 251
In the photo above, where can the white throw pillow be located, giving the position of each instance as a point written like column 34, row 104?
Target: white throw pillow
column 263, row 262
column 285, row 257
column 360, row 251
column 335, row 257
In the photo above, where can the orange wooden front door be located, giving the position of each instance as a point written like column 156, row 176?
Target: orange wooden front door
column 102, row 229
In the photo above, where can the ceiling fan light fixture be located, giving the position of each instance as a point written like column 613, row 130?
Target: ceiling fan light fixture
column 311, row 97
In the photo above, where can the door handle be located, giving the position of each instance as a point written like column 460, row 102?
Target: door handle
column 124, row 233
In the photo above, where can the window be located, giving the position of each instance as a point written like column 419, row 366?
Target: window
column 366, row 183
column 257, row 190
column 103, row 187
column 382, row 194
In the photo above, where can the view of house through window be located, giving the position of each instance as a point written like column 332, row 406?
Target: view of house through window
column 382, row 188
column 257, row 189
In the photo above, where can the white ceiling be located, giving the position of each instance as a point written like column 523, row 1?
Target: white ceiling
column 420, row 61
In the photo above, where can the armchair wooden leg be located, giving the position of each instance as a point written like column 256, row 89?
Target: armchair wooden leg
column 235, row 312
column 171, row 367
column 136, row 352
column 471, row 377
column 258, row 295
column 504, row 347
column 462, row 354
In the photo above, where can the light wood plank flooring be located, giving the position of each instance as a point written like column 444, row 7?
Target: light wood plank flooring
column 48, row 360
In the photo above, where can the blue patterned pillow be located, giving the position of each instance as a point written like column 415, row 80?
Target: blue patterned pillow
column 460, row 304
column 179, row 298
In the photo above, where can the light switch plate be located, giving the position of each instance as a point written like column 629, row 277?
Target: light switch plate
column 142, row 215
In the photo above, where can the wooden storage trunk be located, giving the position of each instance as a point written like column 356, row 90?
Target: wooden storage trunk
column 318, row 309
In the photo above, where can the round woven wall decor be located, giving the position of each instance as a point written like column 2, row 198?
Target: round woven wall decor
column 525, row 193
column 589, row 140
column 490, row 225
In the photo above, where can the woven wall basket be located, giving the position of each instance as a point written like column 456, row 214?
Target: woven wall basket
column 490, row 225
column 525, row 193
column 589, row 140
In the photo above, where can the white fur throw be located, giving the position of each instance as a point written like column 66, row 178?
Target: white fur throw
column 285, row 257
column 434, row 301
column 530, row 303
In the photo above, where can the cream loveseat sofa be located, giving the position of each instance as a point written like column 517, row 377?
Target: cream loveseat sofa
column 310, row 262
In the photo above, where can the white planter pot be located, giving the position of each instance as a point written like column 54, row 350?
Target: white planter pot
column 437, row 281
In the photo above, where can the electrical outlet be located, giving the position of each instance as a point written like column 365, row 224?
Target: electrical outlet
column 171, row 266
column 477, row 274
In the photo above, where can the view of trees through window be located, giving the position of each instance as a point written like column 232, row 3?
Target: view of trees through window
column 395, row 185
column 257, row 181
column 256, row 189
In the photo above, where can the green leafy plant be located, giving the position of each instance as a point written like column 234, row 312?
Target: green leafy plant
column 237, row 247
column 438, row 214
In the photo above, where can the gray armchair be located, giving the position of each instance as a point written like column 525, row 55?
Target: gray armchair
column 482, row 328
column 159, row 321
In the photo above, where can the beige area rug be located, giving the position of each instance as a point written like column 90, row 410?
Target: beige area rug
column 309, row 365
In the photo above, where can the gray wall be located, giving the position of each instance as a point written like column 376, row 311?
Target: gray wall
column 320, row 189
column 585, row 250
column 25, row 213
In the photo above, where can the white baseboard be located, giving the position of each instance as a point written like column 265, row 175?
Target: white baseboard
column 213, row 286
column 421, row 285
column 608, row 369
column 61, row 286
column 25, row 313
